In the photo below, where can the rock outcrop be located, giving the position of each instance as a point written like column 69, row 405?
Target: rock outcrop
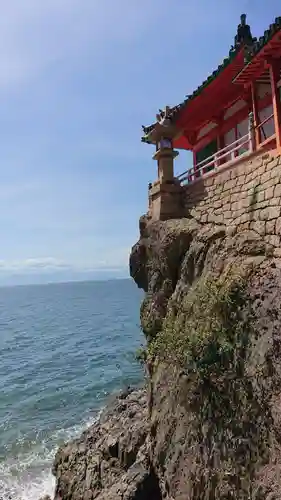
column 209, row 425
column 212, row 317
column 110, row 459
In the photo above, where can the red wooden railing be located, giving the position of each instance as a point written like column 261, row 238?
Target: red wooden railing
column 214, row 161
column 260, row 129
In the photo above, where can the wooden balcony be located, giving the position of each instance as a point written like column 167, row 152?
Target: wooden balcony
column 226, row 156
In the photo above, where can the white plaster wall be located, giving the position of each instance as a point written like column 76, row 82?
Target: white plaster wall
column 268, row 129
column 240, row 104
column 204, row 130
column 263, row 89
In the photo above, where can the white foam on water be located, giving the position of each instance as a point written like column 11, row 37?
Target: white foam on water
column 29, row 476
column 33, row 490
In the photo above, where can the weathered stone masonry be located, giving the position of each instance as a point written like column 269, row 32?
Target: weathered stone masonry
column 247, row 196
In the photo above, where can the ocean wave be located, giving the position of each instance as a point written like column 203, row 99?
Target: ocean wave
column 28, row 475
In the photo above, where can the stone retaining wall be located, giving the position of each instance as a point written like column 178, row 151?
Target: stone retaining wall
column 245, row 196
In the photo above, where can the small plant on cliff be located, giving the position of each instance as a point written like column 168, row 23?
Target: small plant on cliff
column 141, row 355
column 209, row 335
column 208, row 330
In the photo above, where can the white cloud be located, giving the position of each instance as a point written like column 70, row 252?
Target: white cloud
column 38, row 264
column 12, row 190
column 111, row 261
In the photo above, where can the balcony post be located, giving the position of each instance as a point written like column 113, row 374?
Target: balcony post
column 255, row 116
column 274, row 71
column 251, row 132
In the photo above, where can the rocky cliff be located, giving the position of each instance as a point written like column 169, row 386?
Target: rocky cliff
column 209, row 425
column 212, row 318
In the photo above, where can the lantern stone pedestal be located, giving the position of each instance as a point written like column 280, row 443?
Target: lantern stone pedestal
column 165, row 195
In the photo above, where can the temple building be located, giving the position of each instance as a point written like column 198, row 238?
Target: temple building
column 235, row 113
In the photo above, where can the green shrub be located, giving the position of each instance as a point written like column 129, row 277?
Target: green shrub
column 208, row 331
column 141, row 355
column 209, row 337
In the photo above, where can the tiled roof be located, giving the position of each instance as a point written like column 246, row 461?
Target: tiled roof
column 174, row 111
column 254, row 49
column 263, row 40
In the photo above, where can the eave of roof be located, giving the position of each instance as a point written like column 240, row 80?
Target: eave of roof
column 263, row 40
column 256, row 47
column 175, row 110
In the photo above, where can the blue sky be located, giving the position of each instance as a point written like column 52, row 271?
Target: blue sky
column 78, row 79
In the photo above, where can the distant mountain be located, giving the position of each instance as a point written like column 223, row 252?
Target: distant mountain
column 58, row 276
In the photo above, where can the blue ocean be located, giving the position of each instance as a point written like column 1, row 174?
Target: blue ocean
column 64, row 348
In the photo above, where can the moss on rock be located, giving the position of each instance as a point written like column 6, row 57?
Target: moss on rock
column 205, row 332
column 209, row 337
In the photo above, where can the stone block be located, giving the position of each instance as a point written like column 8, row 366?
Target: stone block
column 277, row 190
column 256, row 163
column 269, row 183
column 235, row 197
column 234, row 173
column 265, row 177
column 274, row 212
column 275, row 172
column 245, row 202
column 253, row 214
column 273, row 240
column 245, row 226
column 261, row 204
column 267, row 157
column 269, row 193
column 274, row 201
column 250, row 173
column 230, row 184
column 258, row 226
column 218, row 219
column 228, row 215
column 226, row 206
column 218, row 188
column 260, row 196
column 263, row 214
column 258, row 174
column 278, row 226
column 241, row 180
column 271, row 162
column 217, row 204
column 165, row 201
column 277, row 252
column 251, row 184
column 270, row 226
column 237, row 189
column 225, row 176
column 234, row 206
column 245, row 217
column 269, row 213
column 209, row 182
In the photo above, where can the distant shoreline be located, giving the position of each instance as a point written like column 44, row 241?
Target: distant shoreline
column 69, row 282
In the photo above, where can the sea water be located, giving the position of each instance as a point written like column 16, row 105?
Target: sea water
column 64, row 348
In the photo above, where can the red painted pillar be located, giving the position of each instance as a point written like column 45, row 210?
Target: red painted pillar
column 256, row 114
column 195, row 173
column 220, row 139
column 274, row 71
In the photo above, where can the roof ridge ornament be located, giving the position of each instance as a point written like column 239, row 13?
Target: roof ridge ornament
column 244, row 38
column 244, row 35
column 163, row 117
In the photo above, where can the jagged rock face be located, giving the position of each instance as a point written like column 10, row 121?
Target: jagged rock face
column 155, row 263
column 202, row 448
column 110, row 460
column 211, row 433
